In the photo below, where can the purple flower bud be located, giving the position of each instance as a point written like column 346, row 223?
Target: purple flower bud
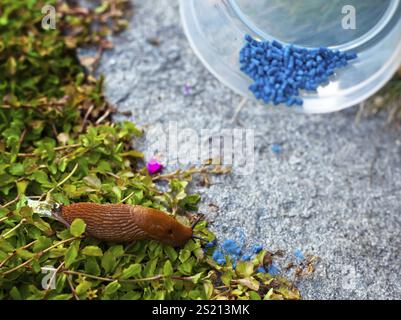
column 154, row 166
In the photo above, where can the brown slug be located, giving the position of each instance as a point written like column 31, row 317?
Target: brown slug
column 126, row 223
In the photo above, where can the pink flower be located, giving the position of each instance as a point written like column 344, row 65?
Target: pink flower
column 154, row 166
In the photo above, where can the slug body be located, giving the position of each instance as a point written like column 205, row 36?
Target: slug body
column 127, row 223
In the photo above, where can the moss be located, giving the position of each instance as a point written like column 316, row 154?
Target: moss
column 388, row 100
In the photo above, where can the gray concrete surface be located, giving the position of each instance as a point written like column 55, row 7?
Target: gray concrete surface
column 334, row 190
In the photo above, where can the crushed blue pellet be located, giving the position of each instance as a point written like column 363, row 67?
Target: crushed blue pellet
column 280, row 71
column 257, row 248
column 273, row 270
column 246, row 257
column 276, row 148
column 231, row 247
column 299, row 255
column 211, row 244
column 261, row 269
column 218, row 256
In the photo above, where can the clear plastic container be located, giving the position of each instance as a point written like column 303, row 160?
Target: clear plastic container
column 216, row 30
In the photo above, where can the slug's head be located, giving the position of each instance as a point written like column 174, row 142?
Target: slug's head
column 163, row 228
column 176, row 234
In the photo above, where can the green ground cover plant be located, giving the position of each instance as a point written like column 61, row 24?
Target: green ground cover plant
column 58, row 143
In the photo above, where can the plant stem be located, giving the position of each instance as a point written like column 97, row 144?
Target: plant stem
column 13, row 229
column 127, row 197
column 73, row 291
column 76, row 145
column 32, row 155
column 4, row 218
column 39, row 254
column 10, row 203
column 71, row 272
column 61, row 182
column 154, row 278
column 191, row 171
column 15, row 252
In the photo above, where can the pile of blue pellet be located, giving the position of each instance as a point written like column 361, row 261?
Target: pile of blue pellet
column 279, row 71
column 232, row 250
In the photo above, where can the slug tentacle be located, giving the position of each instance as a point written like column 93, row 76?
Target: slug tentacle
column 127, row 223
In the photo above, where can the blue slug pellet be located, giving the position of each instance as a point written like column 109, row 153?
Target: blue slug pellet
column 273, row 270
column 280, row 72
column 218, row 256
column 246, row 257
column 211, row 244
column 276, row 148
column 299, row 255
column 257, row 248
column 261, row 269
column 231, row 247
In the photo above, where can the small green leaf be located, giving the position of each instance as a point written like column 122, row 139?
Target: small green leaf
column 194, row 294
column 42, row 226
column 197, row 277
column 112, row 288
column 15, row 294
column 169, row 284
column 251, row 283
column 226, row 278
column 83, row 287
column 150, row 268
column 77, row 227
column 21, row 187
column 133, row 295
column 117, row 251
column 208, row 287
column 64, row 296
column 131, row 271
column 254, row 295
column 92, row 267
column 41, row 177
column 93, row 181
column 269, row 294
column 25, row 254
column 57, row 252
column 71, row 254
column 185, row 268
column 17, row 169
column 184, row 255
column 171, row 253
column 108, row 261
column 41, row 244
column 6, row 246
column 167, row 269
column 92, row 251
column 244, row 268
